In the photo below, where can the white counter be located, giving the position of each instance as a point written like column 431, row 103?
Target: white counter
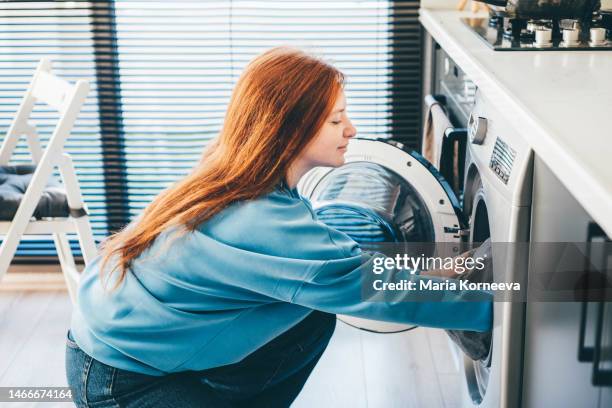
column 560, row 101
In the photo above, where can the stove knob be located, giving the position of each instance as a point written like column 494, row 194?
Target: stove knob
column 570, row 37
column 543, row 37
column 597, row 36
column 477, row 129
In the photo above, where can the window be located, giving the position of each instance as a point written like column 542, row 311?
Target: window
column 162, row 73
column 61, row 31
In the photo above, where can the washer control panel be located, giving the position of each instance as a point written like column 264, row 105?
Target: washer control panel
column 502, row 159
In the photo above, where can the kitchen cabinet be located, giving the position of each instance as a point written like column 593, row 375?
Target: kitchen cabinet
column 553, row 375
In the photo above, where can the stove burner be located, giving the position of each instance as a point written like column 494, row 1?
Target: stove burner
column 513, row 34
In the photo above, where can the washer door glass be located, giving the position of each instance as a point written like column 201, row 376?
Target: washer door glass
column 372, row 204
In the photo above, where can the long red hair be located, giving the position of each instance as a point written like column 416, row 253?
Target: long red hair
column 277, row 107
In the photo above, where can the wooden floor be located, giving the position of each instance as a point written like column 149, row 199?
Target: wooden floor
column 358, row 369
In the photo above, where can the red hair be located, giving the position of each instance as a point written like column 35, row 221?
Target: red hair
column 277, row 107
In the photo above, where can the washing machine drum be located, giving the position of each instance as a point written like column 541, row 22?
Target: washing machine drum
column 383, row 194
column 372, row 204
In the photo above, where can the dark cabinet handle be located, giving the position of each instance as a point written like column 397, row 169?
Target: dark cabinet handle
column 601, row 377
column 585, row 354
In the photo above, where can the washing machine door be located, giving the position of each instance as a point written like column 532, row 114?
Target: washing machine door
column 384, row 194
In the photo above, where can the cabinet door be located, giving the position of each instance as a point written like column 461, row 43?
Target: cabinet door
column 553, row 376
column 602, row 370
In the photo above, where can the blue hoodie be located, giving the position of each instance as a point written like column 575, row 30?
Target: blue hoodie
column 250, row 273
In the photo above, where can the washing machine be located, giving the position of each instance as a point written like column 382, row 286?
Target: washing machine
column 384, row 193
column 497, row 200
column 448, row 101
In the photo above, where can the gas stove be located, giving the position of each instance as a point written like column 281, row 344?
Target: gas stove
column 513, row 34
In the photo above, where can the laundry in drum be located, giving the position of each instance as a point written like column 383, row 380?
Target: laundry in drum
column 476, row 345
column 372, row 205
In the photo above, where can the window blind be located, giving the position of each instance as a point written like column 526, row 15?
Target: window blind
column 163, row 74
column 180, row 60
column 62, row 32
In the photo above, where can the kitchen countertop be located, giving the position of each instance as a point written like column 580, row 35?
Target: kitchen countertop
column 561, row 102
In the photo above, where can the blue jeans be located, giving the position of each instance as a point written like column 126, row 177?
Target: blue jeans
column 271, row 376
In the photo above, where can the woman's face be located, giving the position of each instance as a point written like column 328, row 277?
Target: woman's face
column 329, row 145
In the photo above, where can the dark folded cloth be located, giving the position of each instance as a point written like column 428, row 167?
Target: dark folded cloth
column 14, row 181
column 476, row 344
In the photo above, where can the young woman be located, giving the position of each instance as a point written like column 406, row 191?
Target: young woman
column 224, row 291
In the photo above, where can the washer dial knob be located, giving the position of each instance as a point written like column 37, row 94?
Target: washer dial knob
column 477, row 129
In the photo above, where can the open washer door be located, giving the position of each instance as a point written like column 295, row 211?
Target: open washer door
column 384, row 194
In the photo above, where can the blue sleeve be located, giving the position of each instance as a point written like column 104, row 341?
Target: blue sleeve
column 343, row 286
